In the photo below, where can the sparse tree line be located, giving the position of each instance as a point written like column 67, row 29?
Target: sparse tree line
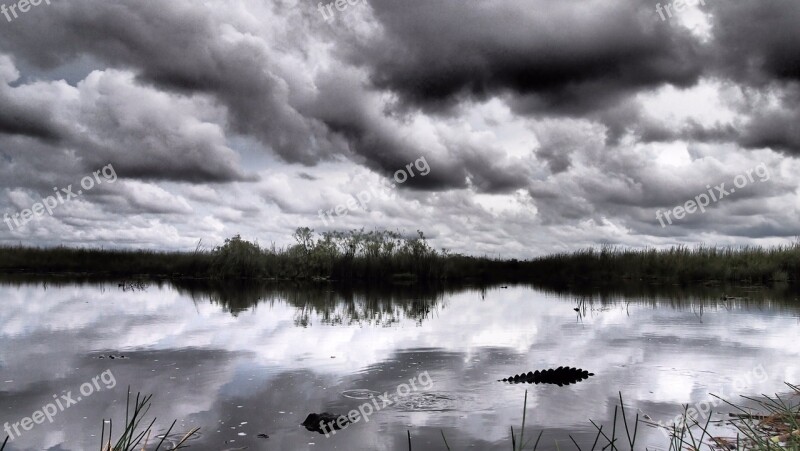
column 355, row 254
column 391, row 256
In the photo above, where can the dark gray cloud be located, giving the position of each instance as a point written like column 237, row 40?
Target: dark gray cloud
column 775, row 126
column 757, row 42
column 570, row 57
column 176, row 46
column 19, row 120
column 160, row 136
column 383, row 147
column 584, row 59
column 544, row 123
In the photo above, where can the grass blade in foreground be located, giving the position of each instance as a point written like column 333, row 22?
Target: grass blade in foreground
column 130, row 438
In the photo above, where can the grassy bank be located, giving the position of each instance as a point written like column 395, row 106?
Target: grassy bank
column 353, row 255
column 752, row 264
column 390, row 256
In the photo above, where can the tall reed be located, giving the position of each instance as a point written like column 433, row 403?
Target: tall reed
column 132, row 435
column 689, row 434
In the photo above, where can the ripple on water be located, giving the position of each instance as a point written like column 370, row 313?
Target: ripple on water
column 360, row 393
column 429, row 402
column 174, row 438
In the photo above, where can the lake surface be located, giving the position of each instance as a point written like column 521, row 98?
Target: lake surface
column 239, row 361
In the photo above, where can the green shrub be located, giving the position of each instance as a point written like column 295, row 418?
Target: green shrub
column 237, row 258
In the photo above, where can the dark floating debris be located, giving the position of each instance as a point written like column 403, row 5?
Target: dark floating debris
column 112, row 356
column 133, row 285
column 560, row 376
column 360, row 393
column 581, row 304
column 314, row 422
column 262, row 436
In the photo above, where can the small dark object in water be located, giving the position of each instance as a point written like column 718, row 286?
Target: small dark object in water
column 560, row 376
column 577, row 309
column 314, row 422
column 133, row 286
column 262, row 436
column 504, row 286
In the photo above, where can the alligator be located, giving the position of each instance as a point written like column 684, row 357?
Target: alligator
column 559, row 376
column 314, row 422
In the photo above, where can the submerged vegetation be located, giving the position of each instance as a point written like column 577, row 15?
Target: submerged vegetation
column 391, row 256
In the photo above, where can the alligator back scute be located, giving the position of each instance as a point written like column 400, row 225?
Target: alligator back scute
column 560, row 376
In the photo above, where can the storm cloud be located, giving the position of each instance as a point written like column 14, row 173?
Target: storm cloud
column 547, row 126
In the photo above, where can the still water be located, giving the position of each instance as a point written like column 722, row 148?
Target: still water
column 240, row 361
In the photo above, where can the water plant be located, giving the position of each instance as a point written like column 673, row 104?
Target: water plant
column 132, row 436
column 522, row 443
column 756, row 432
column 778, row 430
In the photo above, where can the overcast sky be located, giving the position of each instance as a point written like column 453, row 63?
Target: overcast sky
column 541, row 125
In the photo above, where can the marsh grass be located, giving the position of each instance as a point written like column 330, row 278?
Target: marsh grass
column 352, row 255
column 777, row 430
column 748, row 264
column 68, row 260
column 133, row 434
column 392, row 256
column 522, row 443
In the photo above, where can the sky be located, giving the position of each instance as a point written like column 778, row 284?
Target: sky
column 510, row 128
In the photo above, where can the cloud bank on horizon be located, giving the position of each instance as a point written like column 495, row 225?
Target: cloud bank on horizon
column 548, row 126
